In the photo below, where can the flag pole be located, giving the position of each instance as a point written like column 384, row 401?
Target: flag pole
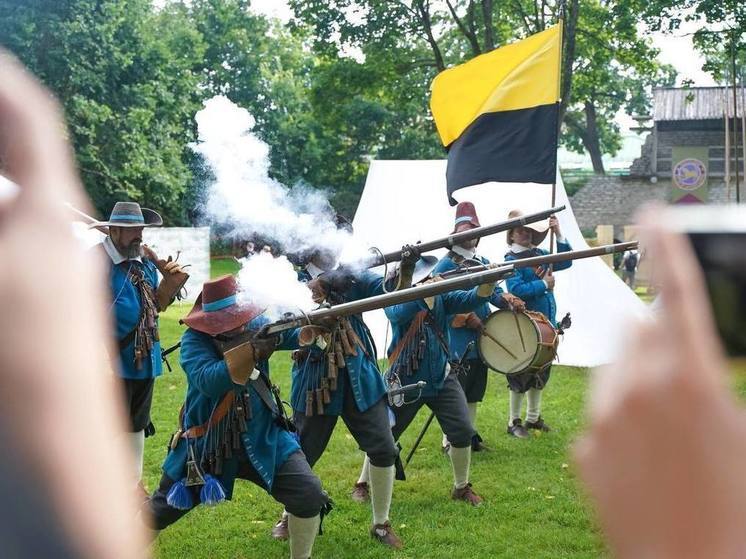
column 561, row 21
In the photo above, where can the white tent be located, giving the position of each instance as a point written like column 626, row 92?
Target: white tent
column 405, row 201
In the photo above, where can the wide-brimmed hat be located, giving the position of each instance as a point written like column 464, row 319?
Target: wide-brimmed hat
column 466, row 213
column 130, row 214
column 539, row 229
column 422, row 269
column 217, row 309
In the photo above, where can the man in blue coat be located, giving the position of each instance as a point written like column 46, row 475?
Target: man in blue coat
column 419, row 351
column 336, row 375
column 536, row 287
column 464, row 328
column 137, row 296
column 232, row 424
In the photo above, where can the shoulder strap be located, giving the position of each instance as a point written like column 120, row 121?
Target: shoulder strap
column 430, row 321
column 408, row 335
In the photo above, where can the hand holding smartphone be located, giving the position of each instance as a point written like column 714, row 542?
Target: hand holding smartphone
column 718, row 237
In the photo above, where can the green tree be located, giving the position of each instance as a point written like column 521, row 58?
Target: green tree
column 125, row 76
column 607, row 65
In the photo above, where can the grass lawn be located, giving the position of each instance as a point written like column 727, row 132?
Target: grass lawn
column 532, row 504
column 223, row 266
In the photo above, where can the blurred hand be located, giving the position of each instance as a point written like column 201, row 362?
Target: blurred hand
column 473, row 322
column 516, row 303
column 665, row 453
column 55, row 394
column 549, row 280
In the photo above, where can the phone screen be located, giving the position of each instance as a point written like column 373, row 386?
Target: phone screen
column 722, row 256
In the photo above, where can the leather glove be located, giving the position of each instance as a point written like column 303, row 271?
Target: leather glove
column 332, row 285
column 467, row 320
column 174, row 278
column 264, row 347
column 241, row 362
column 410, row 254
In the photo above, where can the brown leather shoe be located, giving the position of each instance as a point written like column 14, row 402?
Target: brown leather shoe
column 361, row 493
column 539, row 425
column 385, row 534
column 517, row 429
column 280, row 530
column 466, row 494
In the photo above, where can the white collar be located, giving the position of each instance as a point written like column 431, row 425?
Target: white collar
column 313, row 270
column 518, row 248
column 465, row 252
column 114, row 254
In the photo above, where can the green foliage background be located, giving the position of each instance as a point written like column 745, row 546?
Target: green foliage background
column 343, row 82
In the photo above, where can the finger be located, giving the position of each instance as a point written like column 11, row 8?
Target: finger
column 33, row 143
column 684, row 299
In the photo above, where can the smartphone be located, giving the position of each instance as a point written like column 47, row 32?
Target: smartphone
column 718, row 236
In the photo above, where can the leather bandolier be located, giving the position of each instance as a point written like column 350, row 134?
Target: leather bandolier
column 231, row 417
column 324, row 367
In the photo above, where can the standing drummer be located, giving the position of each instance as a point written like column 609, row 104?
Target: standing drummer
column 465, row 328
column 536, row 287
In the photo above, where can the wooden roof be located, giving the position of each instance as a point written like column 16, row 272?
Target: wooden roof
column 695, row 103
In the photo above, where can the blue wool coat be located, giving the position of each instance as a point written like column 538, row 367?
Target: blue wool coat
column 362, row 371
column 527, row 285
column 432, row 366
column 266, row 444
column 126, row 305
column 461, row 337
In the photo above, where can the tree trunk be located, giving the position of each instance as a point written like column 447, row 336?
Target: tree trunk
column 424, row 14
column 568, row 60
column 489, row 36
column 590, row 139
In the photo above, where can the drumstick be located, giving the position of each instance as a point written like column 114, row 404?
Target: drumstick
column 494, row 339
column 518, row 327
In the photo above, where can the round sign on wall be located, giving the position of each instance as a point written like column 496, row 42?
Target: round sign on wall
column 689, row 174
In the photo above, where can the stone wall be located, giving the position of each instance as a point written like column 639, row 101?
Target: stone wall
column 607, row 200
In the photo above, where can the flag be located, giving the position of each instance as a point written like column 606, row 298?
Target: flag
column 497, row 114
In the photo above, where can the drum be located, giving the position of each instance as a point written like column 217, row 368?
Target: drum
column 513, row 343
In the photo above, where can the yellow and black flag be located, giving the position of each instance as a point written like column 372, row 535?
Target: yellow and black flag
column 497, row 114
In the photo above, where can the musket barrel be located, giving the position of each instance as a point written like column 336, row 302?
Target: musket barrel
column 547, row 259
column 487, row 274
column 463, row 236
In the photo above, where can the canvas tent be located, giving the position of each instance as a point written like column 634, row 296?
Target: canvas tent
column 405, row 201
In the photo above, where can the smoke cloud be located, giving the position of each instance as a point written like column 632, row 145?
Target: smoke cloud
column 247, row 202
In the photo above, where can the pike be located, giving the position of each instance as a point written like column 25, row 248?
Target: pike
column 466, row 279
column 457, row 238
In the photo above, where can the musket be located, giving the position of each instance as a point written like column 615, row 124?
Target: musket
column 539, row 260
column 457, row 238
column 466, row 280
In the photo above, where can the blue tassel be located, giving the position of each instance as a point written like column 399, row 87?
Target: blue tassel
column 179, row 497
column 212, row 492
